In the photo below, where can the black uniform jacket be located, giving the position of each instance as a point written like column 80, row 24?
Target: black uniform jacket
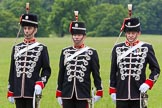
column 75, row 75
column 28, row 66
column 129, row 73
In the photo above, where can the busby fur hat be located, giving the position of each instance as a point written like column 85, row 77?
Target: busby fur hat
column 29, row 20
column 132, row 24
column 77, row 28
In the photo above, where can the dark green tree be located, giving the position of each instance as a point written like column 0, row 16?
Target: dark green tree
column 106, row 20
column 8, row 24
column 102, row 17
column 18, row 7
column 63, row 13
column 150, row 16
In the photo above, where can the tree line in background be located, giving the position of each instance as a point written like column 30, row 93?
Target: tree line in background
column 102, row 17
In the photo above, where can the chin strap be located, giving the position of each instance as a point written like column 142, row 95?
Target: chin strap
column 31, row 34
column 18, row 34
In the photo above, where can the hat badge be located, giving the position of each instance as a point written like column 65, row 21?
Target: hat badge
column 129, row 23
column 76, row 25
column 26, row 17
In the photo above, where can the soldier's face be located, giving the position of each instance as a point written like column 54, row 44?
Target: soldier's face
column 29, row 32
column 132, row 36
column 78, row 39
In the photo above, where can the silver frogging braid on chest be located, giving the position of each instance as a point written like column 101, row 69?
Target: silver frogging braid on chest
column 26, row 61
column 77, row 67
column 135, row 60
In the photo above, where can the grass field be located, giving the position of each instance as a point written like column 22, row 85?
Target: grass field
column 103, row 46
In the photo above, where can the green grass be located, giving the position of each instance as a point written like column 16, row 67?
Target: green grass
column 103, row 46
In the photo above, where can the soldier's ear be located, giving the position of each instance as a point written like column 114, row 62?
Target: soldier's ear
column 84, row 36
column 35, row 30
column 139, row 33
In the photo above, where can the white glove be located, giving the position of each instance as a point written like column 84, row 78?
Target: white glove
column 96, row 98
column 38, row 89
column 113, row 97
column 11, row 100
column 59, row 99
column 144, row 87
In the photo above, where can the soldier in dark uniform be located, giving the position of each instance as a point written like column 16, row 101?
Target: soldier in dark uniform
column 30, row 67
column 77, row 62
column 128, row 67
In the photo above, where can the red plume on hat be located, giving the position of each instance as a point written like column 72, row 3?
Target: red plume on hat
column 70, row 27
column 76, row 18
column 29, row 19
column 123, row 25
column 76, row 15
column 129, row 16
column 77, row 27
column 20, row 19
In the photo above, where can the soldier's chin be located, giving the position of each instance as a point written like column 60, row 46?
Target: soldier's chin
column 131, row 40
column 77, row 41
column 28, row 36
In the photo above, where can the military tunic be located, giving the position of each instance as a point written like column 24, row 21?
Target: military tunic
column 128, row 73
column 29, row 65
column 75, row 75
